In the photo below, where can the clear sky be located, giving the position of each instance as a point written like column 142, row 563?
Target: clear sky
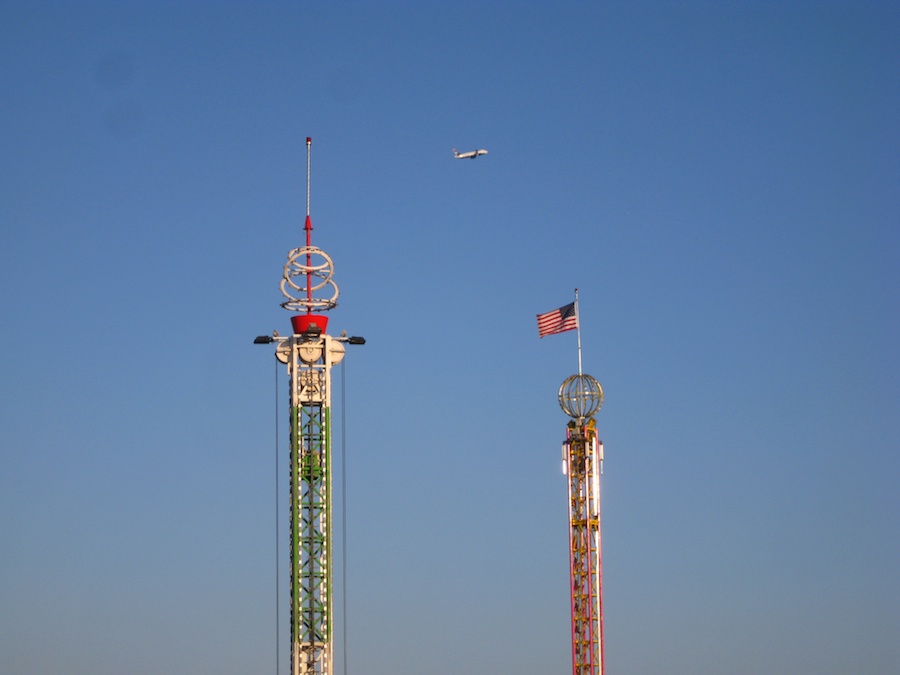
column 719, row 180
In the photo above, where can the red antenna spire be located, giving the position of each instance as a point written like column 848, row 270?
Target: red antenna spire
column 308, row 227
column 308, row 270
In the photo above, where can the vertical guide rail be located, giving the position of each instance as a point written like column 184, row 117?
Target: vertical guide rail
column 277, row 530
column 344, row 510
column 582, row 458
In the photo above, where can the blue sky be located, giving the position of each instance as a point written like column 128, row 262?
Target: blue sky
column 718, row 179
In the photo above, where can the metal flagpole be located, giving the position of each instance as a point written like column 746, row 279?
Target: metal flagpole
column 578, row 328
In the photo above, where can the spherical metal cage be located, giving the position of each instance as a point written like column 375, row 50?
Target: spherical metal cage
column 580, row 396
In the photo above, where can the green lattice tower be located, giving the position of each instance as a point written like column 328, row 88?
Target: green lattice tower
column 309, row 354
column 311, row 358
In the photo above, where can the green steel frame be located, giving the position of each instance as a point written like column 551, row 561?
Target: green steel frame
column 311, row 521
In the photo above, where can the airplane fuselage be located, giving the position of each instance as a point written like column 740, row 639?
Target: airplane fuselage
column 469, row 155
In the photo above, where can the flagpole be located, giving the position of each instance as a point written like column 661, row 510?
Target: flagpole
column 578, row 328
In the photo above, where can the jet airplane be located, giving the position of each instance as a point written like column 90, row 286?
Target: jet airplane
column 468, row 155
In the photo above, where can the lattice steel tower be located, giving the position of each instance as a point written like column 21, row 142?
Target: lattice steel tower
column 309, row 354
column 580, row 397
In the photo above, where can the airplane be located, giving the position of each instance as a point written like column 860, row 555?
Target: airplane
column 468, row 155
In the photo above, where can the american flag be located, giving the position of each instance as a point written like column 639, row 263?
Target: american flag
column 558, row 321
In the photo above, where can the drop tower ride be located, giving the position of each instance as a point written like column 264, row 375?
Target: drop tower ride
column 309, row 354
column 580, row 397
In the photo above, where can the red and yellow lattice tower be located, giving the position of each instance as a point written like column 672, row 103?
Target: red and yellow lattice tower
column 580, row 397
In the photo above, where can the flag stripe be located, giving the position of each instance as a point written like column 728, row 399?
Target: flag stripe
column 558, row 321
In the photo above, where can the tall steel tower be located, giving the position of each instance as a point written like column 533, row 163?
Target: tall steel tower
column 309, row 354
column 580, row 397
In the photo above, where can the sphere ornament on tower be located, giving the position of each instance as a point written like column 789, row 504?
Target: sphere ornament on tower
column 580, row 396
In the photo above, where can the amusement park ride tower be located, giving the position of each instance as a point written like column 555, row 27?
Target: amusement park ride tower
column 309, row 354
column 580, row 396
